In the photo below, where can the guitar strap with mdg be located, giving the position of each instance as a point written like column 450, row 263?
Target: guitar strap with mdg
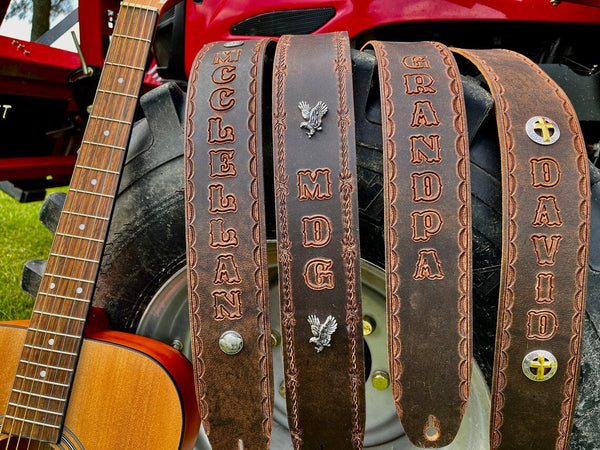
column 545, row 207
column 427, row 237
column 318, row 245
column 226, row 245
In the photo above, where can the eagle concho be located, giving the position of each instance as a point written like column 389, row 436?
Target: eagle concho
column 312, row 116
column 321, row 331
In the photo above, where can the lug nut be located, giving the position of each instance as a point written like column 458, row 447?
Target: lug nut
column 368, row 325
column 380, row 380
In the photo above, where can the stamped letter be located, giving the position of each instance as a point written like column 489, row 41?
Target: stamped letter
column 219, row 134
column 425, row 149
column 541, row 325
column 314, row 185
column 424, row 114
column 221, row 163
column 547, row 212
column 425, row 224
column 416, row 62
column 222, row 99
column 426, row 186
column 227, row 304
column 428, row 265
column 318, row 274
column 221, row 237
column 544, row 288
column 227, row 56
column 226, row 271
column 316, row 231
column 218, row 202
column 545, row 172
column 224, row 74
column 418, row 83
column 546, row 248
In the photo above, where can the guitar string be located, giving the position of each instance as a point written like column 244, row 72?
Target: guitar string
column 105, row 180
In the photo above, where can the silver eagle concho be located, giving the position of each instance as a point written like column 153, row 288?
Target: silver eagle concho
column 321, row 331
column 312, row 116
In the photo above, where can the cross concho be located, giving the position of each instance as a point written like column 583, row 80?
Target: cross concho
column 539, row 365
column 542, row 130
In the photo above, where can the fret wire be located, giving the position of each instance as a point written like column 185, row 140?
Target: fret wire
column 46, row 366
column 132, row 37
column 61, row 316
column 110, row 119
column 124, row 94
column 54, row 383
column 125, row 66
column 73, row 213
column 136, row 6
column 79, row 237
column 64, row 297
column 99, row 194
column 77, row 258
column 62, row 352
column 47, row 397
column 64, row 277
column 114, row 172
column 31, row 408
column 100, row 144
column 57, row 333
column 20, row 419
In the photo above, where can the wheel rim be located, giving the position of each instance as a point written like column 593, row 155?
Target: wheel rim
column 166, row 319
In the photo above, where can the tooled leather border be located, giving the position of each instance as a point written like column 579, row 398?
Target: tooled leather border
column 499, row 382
column 257, row 233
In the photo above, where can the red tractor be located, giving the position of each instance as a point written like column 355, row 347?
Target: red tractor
column 44, row 99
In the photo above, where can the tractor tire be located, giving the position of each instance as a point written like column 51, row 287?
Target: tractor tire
column 142, row 284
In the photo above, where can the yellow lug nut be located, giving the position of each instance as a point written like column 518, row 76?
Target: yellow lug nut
column 380, row 380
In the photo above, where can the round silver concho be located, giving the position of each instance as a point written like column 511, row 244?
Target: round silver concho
column 231, row 44
column 231, row 342
column 542, row 130
column 539, row 365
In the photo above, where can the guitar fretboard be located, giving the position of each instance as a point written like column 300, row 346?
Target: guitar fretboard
column 38, row 400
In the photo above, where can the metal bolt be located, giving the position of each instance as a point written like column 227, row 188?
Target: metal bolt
column 231, row 342
column 275, row 338
column 369, row 325
column 381, row 380
column 555, row 2
column 282, row 389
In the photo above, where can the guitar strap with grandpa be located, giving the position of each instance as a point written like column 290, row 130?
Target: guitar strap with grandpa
column 226, row 245
column 318, row 245
column 427, row 237
column 545, row 206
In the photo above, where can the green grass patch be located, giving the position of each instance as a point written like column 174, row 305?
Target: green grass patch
column 22, row 237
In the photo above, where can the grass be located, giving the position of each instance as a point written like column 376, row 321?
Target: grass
column 22, row 237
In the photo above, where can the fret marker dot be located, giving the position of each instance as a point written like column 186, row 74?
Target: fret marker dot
column 50, row 341
column 93, row 181
column 52, row 285
column 79, row 290
column 120, row 80
column 106, row 132
column 43, row 374
column 82, row 227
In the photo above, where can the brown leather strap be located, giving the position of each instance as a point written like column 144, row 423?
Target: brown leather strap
column 544, row 254
column 318, row 248
column 227, row 271
column 428, row 237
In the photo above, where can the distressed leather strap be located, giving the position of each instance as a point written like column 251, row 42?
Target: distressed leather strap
column 226, row 246
column 427, row 237
column 318, row 247
column 544, row 254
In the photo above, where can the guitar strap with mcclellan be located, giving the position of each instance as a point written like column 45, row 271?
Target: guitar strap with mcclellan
column 545, row 205
column 427, row 237
column 318, row 245
column 226, row 244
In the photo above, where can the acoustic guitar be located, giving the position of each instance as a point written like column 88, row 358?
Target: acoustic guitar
column 103, row 389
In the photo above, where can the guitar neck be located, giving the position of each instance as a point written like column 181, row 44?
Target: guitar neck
column 46, row 369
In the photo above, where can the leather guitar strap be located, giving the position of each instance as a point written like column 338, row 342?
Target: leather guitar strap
column 545, row 205
column 318, row 246
column 427, row 237
column 226, row 245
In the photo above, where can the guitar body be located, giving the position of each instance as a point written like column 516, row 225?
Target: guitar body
column 129, row 392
